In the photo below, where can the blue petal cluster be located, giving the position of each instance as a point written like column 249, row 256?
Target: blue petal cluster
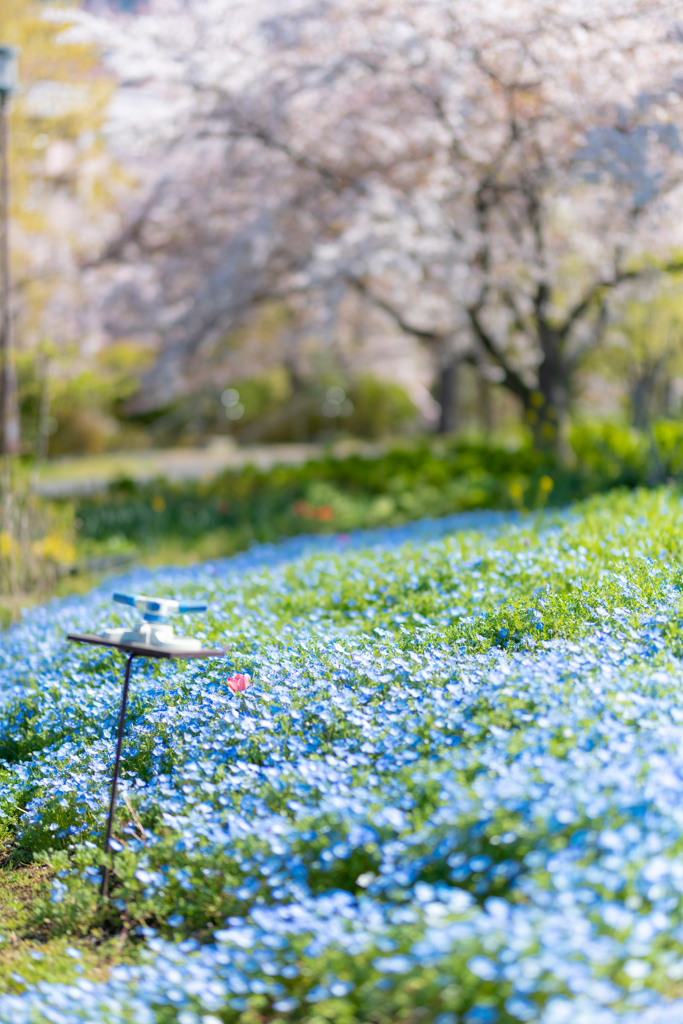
column 385, row 806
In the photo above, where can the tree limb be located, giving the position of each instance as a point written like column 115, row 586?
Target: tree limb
column 582, row 307
column 429, row 337
column 512, row 380
column 594, row 337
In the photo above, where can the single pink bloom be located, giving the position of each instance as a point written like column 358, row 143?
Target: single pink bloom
column 238, row 683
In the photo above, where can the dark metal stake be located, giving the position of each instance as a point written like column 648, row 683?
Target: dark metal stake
column 115, row 780
column 133, row 651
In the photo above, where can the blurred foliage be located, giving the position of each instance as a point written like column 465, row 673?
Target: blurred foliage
column 379, row 408
column 274, row 408
column 413, row 480
column 84, row 408
column 37, row 541
column 644, row 351
column 416, row 478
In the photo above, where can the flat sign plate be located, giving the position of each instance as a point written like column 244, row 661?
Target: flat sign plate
column 148, row 650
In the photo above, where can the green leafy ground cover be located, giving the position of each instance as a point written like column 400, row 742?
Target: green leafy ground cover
column 415, row 479
column 65, row 547
column 451, row 794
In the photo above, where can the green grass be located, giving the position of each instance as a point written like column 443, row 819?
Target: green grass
column 34, row 950
column 179, row 523
column 527, row 585
column 552, row 575
column 423, row 477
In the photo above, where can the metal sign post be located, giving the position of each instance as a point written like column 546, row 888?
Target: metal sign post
column 145, row 641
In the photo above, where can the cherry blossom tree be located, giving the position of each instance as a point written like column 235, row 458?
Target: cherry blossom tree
column 487, row 175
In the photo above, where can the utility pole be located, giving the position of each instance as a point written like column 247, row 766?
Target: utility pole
column 9, row 404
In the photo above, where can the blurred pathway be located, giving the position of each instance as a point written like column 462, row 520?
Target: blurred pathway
column 74, row 475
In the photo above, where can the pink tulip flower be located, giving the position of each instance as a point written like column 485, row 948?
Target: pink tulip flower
column 239, row 683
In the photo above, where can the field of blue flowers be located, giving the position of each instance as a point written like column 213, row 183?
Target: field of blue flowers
column 453, row 792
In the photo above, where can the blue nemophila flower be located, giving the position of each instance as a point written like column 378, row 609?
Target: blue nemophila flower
column 432, row 800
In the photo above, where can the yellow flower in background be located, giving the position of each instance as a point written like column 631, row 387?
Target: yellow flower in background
column 8, row 545
column 516, row 492
column 546, row 484
column 158, row 503
column 54, row 548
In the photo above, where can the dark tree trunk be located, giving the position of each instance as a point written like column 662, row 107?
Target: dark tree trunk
column 545, row 417
column 449, row 374
column 547, row 407
column 640, row 402
column 44, row 412
column 485, row 404
column 643, row 391
column 669, row 402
